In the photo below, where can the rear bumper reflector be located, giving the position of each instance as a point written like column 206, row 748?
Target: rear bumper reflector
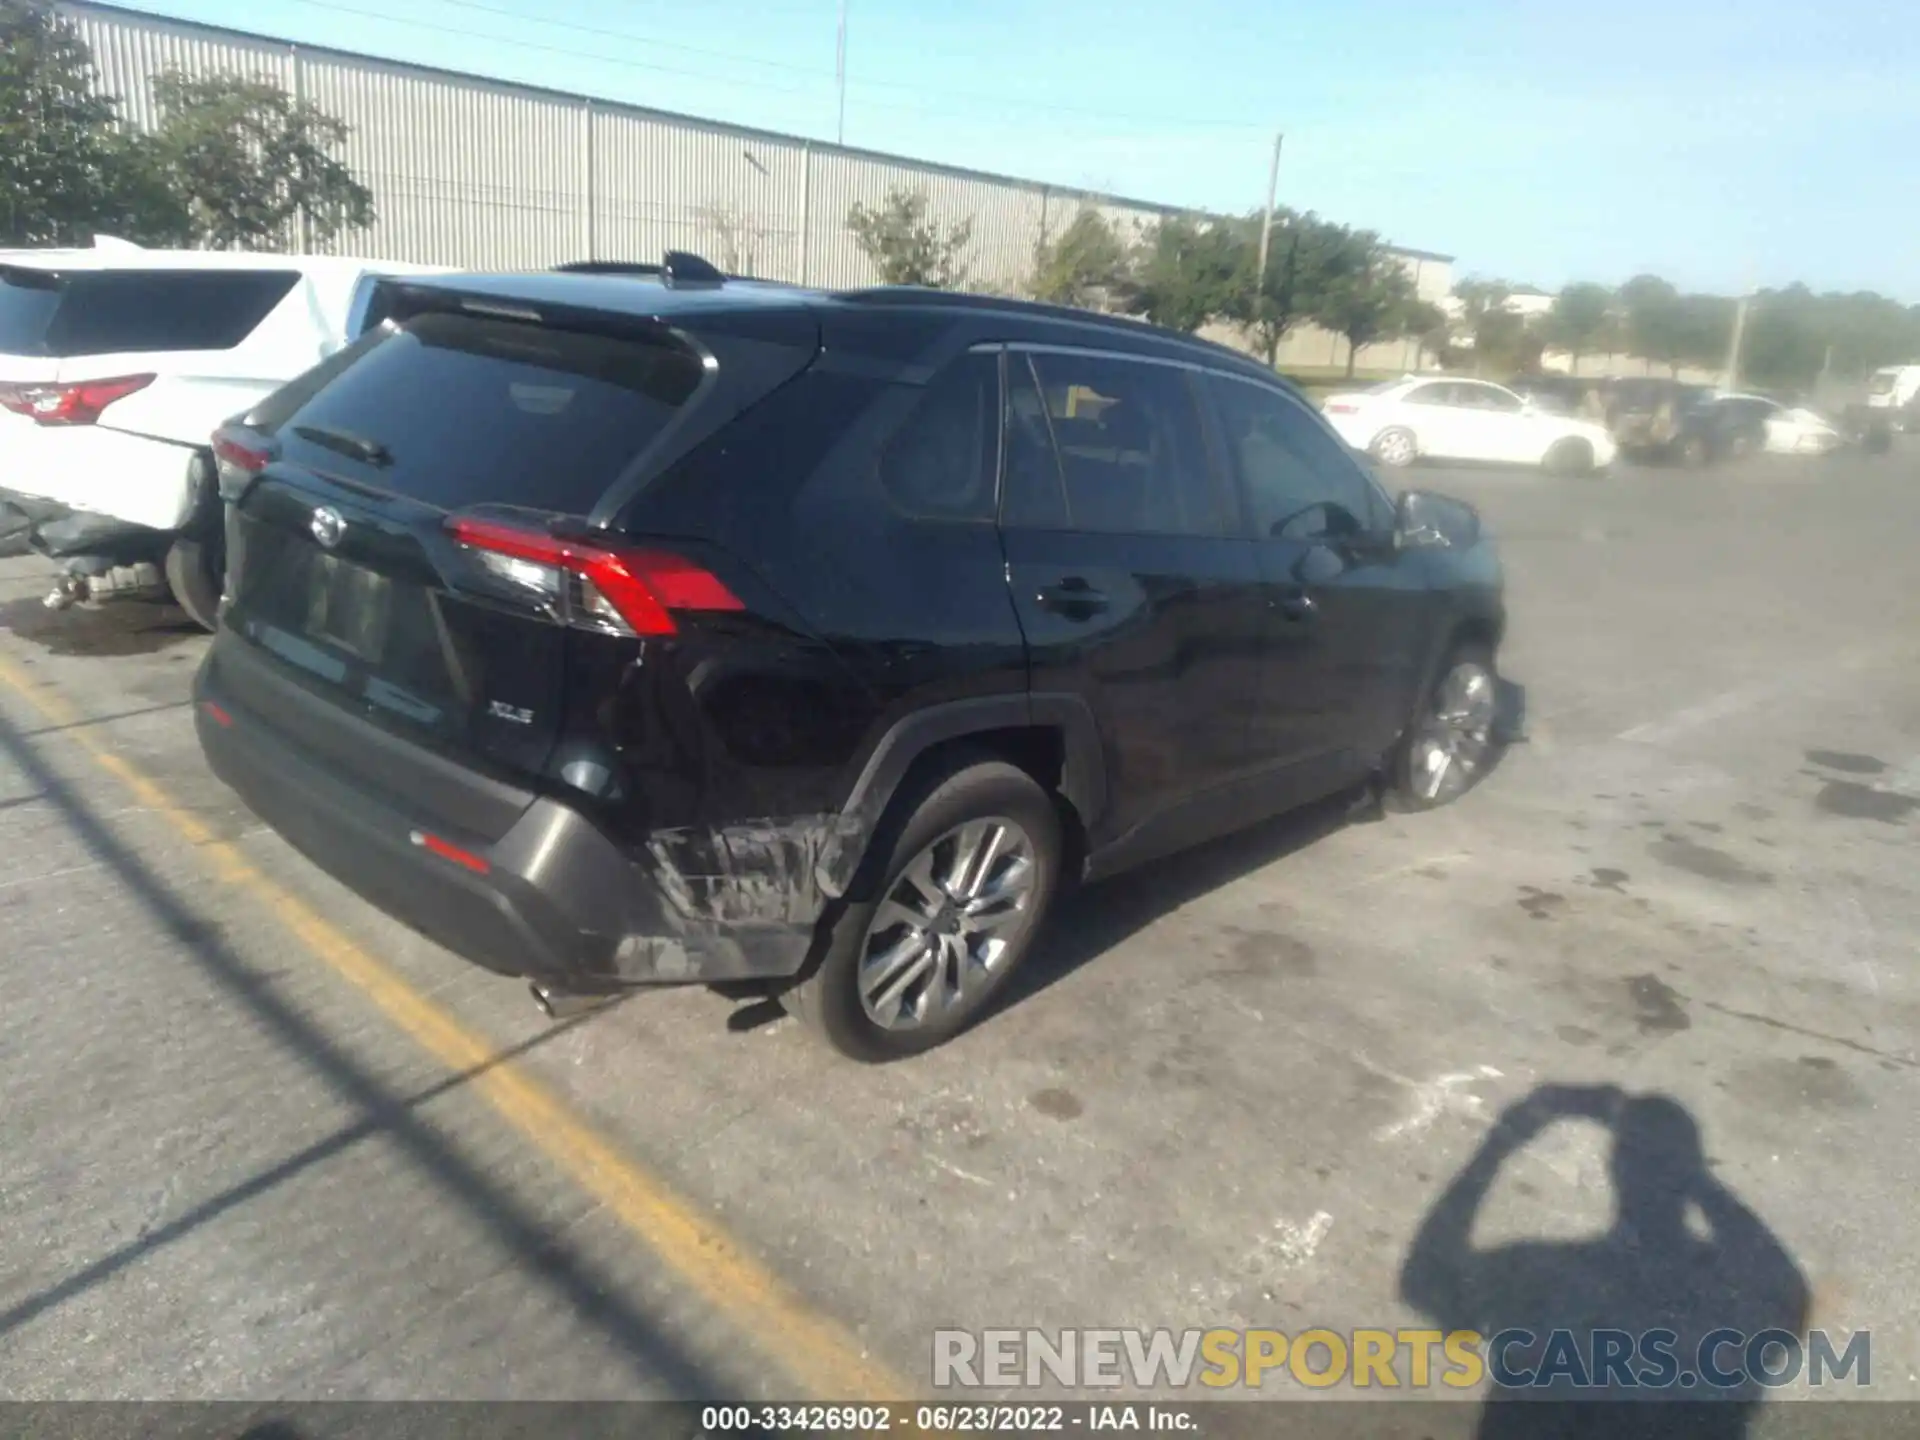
column 447, row 850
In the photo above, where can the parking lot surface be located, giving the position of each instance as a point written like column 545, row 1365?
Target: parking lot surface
column 261, row 1142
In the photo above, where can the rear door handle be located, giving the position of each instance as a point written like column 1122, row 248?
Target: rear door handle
column 1297, row 605
column 1074, row 598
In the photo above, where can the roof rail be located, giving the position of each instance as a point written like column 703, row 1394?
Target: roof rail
column 607, row 267
column 973, row 300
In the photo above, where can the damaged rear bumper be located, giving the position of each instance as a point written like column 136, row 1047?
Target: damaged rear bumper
column 58, row 531
column 555, row 899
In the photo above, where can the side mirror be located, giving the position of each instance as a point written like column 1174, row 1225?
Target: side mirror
column 1421, row 518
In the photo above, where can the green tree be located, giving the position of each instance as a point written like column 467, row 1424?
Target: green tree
column 1185, row 272
column 1579, row 319
column 1368, row 295
column 907, row 245
column 251, row 161
column 1305, row 255
column 1705, row 329
column 1656, row 328
column 1785, row 343
column 1085, row 265
column 1428, row 324
column 1501, row 339
column 67, row 170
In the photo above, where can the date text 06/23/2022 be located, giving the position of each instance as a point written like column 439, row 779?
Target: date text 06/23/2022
column 946, row 1419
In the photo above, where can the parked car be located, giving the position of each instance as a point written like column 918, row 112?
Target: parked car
column 1667, row 420
column 1790, row 429
column 1893, row 395
column 718, row 632
column 1404, row 420
column 116, row 365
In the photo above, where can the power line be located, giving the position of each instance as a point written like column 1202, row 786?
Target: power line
column 519, row 44
column 821, row 76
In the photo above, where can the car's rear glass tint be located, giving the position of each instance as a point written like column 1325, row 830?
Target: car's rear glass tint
column 1881, row 384
column 28, row 300
column 116, row 312
column 459, row 410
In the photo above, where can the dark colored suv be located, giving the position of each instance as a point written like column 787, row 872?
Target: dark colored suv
column 618, row 631
column 1656, row 419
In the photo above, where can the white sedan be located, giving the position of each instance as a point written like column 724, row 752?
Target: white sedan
column 1401, row 421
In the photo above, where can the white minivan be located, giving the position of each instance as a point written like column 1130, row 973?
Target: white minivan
column 1896, row 388
column 117, row 363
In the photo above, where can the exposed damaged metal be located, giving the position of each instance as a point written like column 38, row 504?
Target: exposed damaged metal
column 766, row 872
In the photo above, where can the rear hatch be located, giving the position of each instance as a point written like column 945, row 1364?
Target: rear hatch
column 409, row 538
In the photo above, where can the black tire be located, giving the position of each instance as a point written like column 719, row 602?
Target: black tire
column 1695, row 452
column 1740, row 447
column 1404, row 790
column 1570, row 457
column 827, row 997
column 196, row 574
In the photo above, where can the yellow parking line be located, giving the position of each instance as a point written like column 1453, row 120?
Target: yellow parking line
column 816, row 1352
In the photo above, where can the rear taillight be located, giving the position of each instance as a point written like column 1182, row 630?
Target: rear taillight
column 78, row 403
column 228, row 450
column 1342, row 407
column 597, row 587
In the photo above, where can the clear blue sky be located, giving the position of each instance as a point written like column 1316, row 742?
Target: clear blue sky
column 1721, row 144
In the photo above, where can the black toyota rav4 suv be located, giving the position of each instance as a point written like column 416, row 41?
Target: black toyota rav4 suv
column 619, row 630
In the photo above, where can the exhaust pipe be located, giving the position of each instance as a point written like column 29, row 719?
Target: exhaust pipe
column 562, row 1004
column 116, row 582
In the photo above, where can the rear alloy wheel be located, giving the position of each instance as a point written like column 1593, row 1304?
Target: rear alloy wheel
column 1451, row 742
column 1570, row 457
column 957, row 902
column 1396, row 447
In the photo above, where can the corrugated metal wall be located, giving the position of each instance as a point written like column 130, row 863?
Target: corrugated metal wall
column 473, row 173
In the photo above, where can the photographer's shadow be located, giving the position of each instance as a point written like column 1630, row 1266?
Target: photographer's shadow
column 1683, row 1254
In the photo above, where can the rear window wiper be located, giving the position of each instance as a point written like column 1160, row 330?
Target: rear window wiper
column 345, row 442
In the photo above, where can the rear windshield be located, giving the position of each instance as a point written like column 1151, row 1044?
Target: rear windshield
column 112, row 312
column 459, row 410
column 1881, row 383
column 27, row 302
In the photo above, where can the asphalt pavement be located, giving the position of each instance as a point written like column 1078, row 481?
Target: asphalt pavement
column 261, row 1142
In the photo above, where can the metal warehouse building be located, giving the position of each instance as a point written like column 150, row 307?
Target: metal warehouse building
column 482, row 174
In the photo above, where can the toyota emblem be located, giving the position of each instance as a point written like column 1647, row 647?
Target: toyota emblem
column 327, row 526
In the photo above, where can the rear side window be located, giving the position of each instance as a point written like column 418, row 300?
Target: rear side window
column 1130, row 446
column 459, row 410
column 940, row 464
column 137, row 311
column 28, row 300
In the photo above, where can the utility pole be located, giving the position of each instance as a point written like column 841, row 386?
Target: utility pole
column 840, row 70
column 1733, row 349
column 1266, row 217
